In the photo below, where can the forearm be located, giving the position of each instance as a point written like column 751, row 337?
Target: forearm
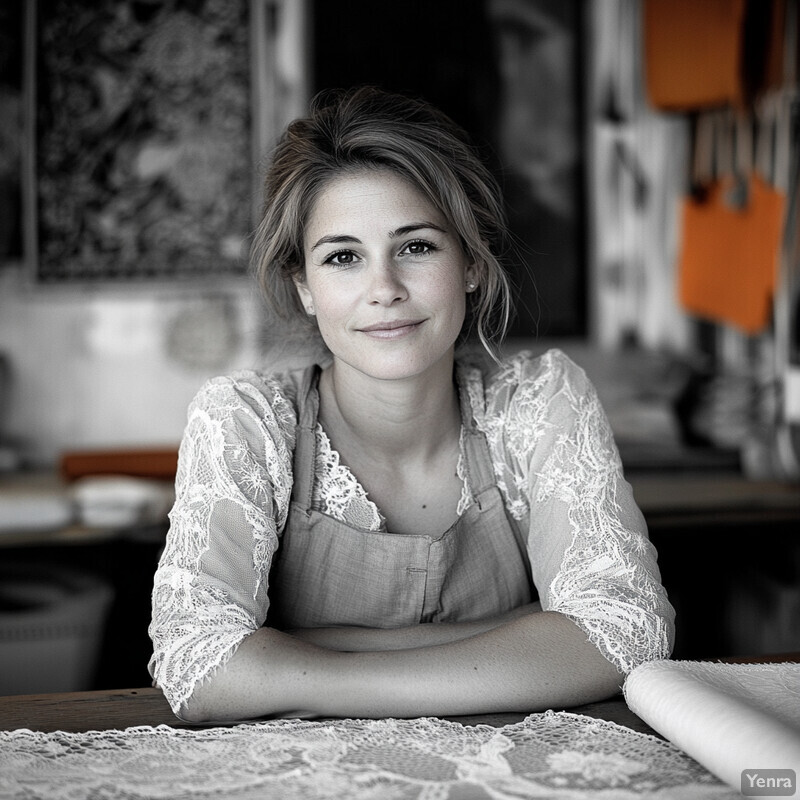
column 354, row 639
column 535, row 662
column 270, row 674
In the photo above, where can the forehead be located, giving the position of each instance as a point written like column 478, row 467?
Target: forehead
column 370, row 196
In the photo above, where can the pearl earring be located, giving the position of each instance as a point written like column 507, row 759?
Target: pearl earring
column 470, row 286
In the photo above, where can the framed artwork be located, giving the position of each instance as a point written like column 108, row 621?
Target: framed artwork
column 143, row 151
column 511, row 73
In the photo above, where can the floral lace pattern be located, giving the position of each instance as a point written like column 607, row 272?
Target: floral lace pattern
column 554, row 461
column 553, row 449
column 583, row 472
column 340, row 495
column 553, row 755
column 337, row 491
column 197, row 619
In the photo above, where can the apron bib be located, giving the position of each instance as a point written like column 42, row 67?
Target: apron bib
column 328, row 573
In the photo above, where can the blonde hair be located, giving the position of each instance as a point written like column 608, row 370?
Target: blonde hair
column 367, row 128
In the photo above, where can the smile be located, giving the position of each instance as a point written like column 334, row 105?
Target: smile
column 392, row 330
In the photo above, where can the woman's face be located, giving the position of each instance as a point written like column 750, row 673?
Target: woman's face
column 385, row 275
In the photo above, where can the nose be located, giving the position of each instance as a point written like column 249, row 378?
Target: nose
column 386, row 286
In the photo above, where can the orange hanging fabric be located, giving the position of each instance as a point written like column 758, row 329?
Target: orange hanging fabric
column 693, row 52
column 729, row 259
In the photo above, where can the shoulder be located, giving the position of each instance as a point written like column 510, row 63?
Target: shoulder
column 241, row 429
column 524, row 382
column 250, row 390
column 253, row 403
column 526, row 370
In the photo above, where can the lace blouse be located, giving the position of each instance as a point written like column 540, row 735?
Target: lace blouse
column 556, row 466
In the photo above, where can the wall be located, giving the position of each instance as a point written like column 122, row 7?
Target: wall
column 98, row 369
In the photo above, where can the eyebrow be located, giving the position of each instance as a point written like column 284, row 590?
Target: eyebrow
column 401, row 231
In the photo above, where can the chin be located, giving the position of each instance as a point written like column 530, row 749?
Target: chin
column 397, row 367
column 392, row 372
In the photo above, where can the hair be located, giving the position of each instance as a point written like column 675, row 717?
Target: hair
column 366, row 128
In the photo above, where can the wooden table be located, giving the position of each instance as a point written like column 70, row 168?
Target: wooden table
column 77, row 712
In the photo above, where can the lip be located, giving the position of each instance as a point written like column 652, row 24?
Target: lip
column 392, row 329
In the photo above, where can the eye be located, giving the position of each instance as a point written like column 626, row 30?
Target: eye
column 341, row 258
column 419, row 247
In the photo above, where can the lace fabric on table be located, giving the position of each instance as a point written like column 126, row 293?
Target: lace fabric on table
column 552, row 755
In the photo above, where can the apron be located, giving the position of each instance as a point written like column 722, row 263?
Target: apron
column 328, row 573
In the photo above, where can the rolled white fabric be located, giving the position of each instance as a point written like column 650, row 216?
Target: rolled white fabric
column 728, row 717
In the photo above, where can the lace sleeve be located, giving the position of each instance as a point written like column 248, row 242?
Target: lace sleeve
column 590, row 554
column 232, row 493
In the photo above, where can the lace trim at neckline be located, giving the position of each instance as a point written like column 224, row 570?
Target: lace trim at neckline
column 338, row 493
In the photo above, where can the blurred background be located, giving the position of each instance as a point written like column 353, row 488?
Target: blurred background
column 648, row 153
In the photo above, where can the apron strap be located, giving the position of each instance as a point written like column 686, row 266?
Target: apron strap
column 305, row 451
column 477, row 457
column 480, row 473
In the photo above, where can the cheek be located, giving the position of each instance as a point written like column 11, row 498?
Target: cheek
column 331, row 298
column 447, row 296
column 450, row 285
column 333, row 307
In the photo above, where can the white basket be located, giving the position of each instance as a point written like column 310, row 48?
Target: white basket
column 52, row 621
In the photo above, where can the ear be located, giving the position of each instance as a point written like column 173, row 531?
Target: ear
column 303, row 293
column 473, row 274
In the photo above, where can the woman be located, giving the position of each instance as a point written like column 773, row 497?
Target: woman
column 399, row 533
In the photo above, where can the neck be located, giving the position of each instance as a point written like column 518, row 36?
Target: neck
column 387, row 419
